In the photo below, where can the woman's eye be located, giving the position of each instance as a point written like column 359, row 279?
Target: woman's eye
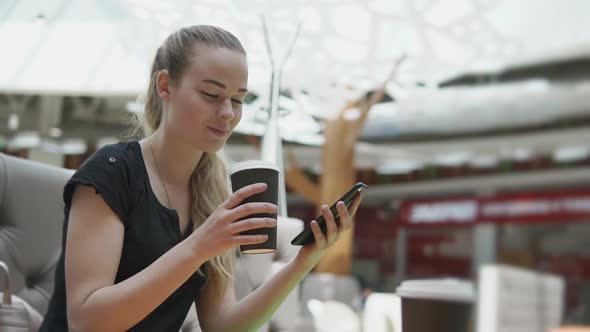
column 210, row 95
column 216, row 97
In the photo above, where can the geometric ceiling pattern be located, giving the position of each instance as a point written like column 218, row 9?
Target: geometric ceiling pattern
column 104, row 47
column 348, row 41
column 357, row 41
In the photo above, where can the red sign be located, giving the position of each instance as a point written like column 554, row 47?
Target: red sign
column 533, row 207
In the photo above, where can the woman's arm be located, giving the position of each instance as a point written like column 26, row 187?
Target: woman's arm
column 225, row 314
column 93, row 250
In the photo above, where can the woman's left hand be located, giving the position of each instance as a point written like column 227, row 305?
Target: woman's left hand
column 311, row 253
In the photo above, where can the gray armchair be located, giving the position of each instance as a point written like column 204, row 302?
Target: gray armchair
column 31, row 220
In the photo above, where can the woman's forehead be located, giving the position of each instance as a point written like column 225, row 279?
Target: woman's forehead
column 220, row 64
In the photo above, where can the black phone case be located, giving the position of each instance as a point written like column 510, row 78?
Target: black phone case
column 306, row 236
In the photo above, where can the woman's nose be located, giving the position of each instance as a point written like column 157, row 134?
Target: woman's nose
column 226, row 110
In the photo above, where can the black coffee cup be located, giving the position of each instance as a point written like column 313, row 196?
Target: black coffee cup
column 258, row 171
column 437, row 305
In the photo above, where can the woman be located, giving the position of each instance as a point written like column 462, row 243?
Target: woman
column 150, row 227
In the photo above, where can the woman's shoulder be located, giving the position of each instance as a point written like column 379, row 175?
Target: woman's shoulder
column 124, row 151
column 112, row 171
column 122, row 156
column 113, row 163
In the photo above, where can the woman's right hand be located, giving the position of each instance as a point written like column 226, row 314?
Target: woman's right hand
column 221, row 231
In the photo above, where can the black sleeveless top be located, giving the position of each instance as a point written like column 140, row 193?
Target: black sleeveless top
column 118, row 173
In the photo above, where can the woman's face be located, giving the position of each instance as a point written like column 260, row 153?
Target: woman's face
column 205, row 104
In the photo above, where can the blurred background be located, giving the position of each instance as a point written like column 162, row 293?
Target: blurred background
column 478, row 153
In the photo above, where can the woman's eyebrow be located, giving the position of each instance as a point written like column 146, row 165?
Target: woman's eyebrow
column 221, row 85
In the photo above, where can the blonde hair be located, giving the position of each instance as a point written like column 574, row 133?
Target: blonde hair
column 209, row 180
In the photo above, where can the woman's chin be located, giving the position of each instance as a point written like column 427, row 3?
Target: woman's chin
column 213, row 148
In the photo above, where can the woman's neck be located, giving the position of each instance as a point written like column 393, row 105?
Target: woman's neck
column 175, row 160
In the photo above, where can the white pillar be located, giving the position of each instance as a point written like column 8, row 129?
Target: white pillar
column 401, row 256
column 50, row 111
column 485, row 246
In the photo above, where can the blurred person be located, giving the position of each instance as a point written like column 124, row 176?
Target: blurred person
column 366, row 289
column 150, row 226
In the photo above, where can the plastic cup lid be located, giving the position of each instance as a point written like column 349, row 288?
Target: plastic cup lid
column 250, row 164
column 437, row 289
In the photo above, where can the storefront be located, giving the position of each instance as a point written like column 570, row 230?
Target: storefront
column 546, row 231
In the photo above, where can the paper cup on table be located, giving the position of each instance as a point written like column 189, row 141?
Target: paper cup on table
column 436, row 305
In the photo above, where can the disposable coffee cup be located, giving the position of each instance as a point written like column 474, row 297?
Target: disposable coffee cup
column 257, row 171
column 437, row 305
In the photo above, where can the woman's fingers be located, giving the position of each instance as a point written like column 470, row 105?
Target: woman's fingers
column 345, row 219
column 249, row 209
column 239, row 196
column 241, row 240
column 355, row 204
column 320, row 240
column 332, row 229
column 252, row 223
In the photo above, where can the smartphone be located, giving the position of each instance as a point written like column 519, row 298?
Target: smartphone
column 306, row 236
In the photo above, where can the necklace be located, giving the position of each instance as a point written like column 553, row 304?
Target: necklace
column 158, row 171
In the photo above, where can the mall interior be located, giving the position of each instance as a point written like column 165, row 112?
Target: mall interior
column 468, row 120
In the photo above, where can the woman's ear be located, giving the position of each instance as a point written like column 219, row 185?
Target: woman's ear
column 163, row 84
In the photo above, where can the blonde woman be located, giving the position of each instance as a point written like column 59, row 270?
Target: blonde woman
column 150, row 227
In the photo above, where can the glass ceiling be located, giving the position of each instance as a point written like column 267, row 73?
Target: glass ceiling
column 59, row 45
column 103, row 47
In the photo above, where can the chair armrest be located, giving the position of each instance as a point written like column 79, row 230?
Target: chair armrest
column 7, row 287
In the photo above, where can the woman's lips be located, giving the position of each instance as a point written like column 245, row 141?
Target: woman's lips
column 217, row 132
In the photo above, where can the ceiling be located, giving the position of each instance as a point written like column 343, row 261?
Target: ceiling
column 102, row 48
